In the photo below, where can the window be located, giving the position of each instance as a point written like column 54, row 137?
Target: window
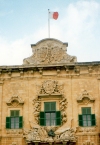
column 14, row 121
column 50, row 117
column 87, row 119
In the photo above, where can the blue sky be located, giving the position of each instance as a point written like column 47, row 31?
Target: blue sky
column 24, row 22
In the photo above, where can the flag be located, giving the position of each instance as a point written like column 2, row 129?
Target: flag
column 53, row 15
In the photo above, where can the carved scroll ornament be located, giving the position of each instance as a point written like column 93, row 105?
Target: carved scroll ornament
column 85, row 98
column 49, row 51
column 15, row 101
column 50, row 87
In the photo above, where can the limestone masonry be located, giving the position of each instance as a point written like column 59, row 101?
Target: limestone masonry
column 50, row 99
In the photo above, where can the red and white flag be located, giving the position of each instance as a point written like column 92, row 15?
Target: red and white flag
column 53, row 15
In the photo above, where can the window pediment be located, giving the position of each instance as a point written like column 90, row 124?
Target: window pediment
column 85, row 98
column 15, row 101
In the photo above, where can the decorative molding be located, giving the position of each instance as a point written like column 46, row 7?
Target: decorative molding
column 85, row 98
column 87, row 129
column 88, row 142
column 42, row 134
column 49, row 51
column 14, row 131
column 15, row 101
column 50, row 87
column 55, row 90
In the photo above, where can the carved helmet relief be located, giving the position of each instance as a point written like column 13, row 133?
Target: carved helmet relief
column 49, row 51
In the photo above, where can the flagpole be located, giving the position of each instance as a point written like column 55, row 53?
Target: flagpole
column 48, row 23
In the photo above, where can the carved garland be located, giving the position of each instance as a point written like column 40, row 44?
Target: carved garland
column 50, row 87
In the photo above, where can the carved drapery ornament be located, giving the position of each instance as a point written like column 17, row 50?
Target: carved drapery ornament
column 49, row 51
column 15, row 101
column 85, row 98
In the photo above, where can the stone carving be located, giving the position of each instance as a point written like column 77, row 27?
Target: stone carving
column 63, row 106
column 51, row 87
column 37, row 106
column 51, row 133
column 14, row 131
column 85, row 98
column 15, row 101
column 88, row 143
column 40, row 134
column 86, row 129
column 49, row 51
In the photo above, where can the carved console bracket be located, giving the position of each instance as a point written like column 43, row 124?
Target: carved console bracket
column 85, row 98
column 15, row 101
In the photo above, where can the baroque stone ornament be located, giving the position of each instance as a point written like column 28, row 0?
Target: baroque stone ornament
column 88, row 142
column 15, row 132
column 37, row 106
column 40, row 134
column 51, row 87
column 15, row 101
column 49, row 51
column 85, row 98
column 87, row 129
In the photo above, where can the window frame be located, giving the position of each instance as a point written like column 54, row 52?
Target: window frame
column 86, row 119
column 56, row 119
column 14, row 121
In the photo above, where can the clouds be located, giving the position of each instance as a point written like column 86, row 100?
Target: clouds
column 78, row 24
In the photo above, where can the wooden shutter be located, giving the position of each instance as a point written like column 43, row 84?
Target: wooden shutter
column 93, row 119
column 42, row 118
column 8, row 122
column 58, row 118
column 80, row 119
column 20, row 122
column 47, row 106
column 53, row 106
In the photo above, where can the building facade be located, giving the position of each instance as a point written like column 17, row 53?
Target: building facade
column 50, row 99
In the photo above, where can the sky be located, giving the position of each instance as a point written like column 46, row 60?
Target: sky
column 25, row 22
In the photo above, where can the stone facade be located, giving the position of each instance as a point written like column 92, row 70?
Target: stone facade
column 50, row 75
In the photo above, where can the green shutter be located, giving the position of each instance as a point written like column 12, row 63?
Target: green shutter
column 84, row 111
column 20, row 122
column 12, row 113
column 58, row 118
column 93, row 119
column 42, row 118
column 53, row 106
column 88, row 110
column 47, row 106
column 16, row 112
column 80, row 120
column 8, row 120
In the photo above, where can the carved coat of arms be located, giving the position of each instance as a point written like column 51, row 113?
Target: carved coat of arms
column 49, row 86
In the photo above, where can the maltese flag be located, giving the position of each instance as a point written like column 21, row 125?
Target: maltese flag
column 53, row 15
